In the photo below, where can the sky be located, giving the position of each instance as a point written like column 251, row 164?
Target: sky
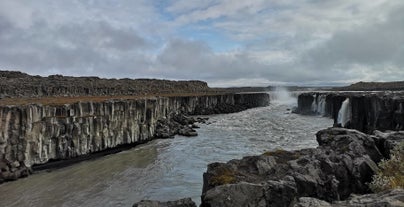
column 223, row 42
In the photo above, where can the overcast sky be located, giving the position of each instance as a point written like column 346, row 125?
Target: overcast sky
column 223, row 42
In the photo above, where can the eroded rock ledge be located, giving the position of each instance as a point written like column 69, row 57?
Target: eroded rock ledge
column 342, row 165
column 36, row 134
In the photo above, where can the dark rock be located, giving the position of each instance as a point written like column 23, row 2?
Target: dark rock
column 310, row 202
column 195, row 126
column 185, row 202
column 386, row 141
column 188, row 132
column 343, row 164
column 231, row 195
column 391, row 198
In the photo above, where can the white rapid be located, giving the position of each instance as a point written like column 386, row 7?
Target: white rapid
column 344, row 113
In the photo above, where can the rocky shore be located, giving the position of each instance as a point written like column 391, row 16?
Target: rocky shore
column 342, row 165
column 336, row 173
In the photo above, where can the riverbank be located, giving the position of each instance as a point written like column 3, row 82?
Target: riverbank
column 329, row 175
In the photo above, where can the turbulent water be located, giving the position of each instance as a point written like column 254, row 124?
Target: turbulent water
column 168, row 169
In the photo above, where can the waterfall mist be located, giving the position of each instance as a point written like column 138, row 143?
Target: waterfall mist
column 282, row 96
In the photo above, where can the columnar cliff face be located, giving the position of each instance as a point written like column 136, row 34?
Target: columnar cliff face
column 35, row 134
column 366, row 111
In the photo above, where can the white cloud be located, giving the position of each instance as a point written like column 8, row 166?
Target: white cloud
column 278, row 41
column 16, row 12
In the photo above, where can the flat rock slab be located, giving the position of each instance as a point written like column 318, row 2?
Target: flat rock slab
column 185, row 202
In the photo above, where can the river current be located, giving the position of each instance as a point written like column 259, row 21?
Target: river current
column 168, row 169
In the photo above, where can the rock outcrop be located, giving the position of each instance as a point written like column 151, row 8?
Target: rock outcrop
column 185, row 202
column 342, row 165
column 35, row 134
column 364, row 111
column 392, row 198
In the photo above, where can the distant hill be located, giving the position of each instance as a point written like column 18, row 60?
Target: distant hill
column 17, row 84
column 373, row 86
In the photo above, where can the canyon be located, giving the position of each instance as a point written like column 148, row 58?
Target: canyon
column 40, row 130
column 50, row 122
column 36, row 134
column 341, row 166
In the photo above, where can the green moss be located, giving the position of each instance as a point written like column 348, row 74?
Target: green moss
column 224, row 176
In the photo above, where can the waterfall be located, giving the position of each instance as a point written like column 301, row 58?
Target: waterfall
column 318, row 104
column 321, row 103
column 344, row 113
column 314, row 104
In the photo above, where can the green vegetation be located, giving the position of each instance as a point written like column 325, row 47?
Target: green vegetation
column 224, row 176
column 391, row 172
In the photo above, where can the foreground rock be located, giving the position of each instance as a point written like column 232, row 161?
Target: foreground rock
column 342, row 165
column 38, row 134
column 185, row 202
column 392, row 198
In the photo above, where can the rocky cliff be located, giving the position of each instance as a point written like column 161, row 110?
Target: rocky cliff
column 364, row 111
column 38, row 133
column 342, row 165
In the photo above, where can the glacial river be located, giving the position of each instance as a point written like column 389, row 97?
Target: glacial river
column 167, row 169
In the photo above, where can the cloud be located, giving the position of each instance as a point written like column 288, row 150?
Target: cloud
column 16, row 12
column 371, row 51
column 223, row 42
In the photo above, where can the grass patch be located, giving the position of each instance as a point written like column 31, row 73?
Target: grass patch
column 391, row 172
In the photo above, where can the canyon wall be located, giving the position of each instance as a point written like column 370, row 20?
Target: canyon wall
column 364, row 111
column 36, row 134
